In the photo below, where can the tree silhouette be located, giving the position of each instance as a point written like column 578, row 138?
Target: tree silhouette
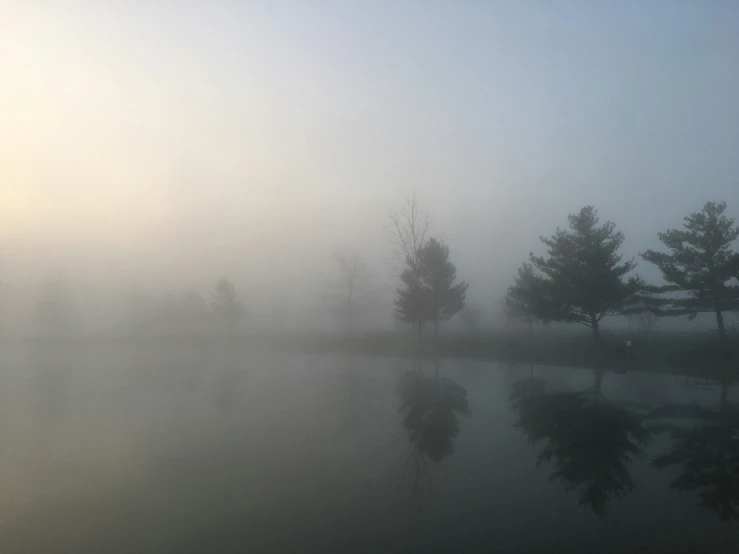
column 345, row 294
column 408, row 230
column 523, row 298
column 647, row 321
column 430, row 409
column 227, row 307
column 412, row 300
column 445, row 297
column 582, row 278
column 589, row 440
column 470, row 318
column 733, row 266
column 701, row 263
column 705, row 445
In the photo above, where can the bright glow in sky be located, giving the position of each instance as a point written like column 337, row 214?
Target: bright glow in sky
column 137, row 133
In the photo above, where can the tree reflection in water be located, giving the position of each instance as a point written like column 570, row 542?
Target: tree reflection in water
column 350, row 419
column 589, row 440
column 430, row 409
column 705, row 445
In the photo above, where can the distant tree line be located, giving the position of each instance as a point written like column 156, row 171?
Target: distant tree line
column 187, row 313
column 582, row 278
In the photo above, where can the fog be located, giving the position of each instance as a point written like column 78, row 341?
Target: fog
column 161, row 146
column 315, row 276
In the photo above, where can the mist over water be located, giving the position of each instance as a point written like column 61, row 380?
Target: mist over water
column 194, row 449
column 296, row 277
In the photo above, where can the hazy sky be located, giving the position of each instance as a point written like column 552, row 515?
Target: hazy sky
column 154, row 142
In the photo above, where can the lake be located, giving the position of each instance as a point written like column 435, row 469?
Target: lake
column 188, row 448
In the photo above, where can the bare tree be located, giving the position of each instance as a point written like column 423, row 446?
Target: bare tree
column 407, row 231
column 346, row 293
column 647, row 321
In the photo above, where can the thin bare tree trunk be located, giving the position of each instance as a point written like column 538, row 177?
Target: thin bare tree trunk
column 596, row 330
column 721, row 328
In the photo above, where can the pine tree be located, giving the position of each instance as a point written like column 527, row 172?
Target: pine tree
column 701, row 263
column 445, row 297
column 412, row 302
column 582, row 278
column 523, row 298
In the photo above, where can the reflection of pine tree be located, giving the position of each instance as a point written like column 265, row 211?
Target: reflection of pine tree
column 350, row 420
column 589, row 440
column 430, row 407
column 705, row 444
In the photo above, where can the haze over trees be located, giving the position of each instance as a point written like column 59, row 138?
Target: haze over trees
column 55, row 313
column 429, row 291
column 522, row 298
column 582, row 279
column 186, row 313
column 346, row 293
column 702, row 263
column 470, row 318
column 408, row 231
column 227, row 307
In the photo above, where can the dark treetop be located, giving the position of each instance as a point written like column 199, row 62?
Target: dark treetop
column 702, row 263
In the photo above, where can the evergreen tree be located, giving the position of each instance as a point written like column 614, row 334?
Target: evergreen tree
column 438, row 275
column 582, row 278
column 701, row 263
column 407, row 231
column 412, row 300
column 226, row 305
column 522, row 299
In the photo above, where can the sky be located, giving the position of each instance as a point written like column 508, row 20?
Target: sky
column 163, row 145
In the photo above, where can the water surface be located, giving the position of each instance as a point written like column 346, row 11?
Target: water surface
column 191, row 448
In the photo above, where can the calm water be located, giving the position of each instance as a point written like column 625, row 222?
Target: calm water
column 192, row 449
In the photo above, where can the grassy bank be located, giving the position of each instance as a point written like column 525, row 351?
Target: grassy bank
column 683, row 353
column 680, row 353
